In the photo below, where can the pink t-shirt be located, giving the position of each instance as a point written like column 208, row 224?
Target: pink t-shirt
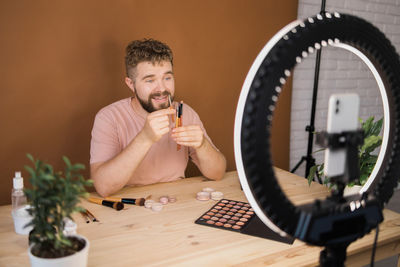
column 117, row 124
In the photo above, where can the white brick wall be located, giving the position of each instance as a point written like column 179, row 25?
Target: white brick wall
column 340, row 71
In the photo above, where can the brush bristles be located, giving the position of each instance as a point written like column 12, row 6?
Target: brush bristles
column 118, row 205
column 140, row 201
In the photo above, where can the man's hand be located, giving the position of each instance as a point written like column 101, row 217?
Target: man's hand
column 191, row 136
column 157, row 124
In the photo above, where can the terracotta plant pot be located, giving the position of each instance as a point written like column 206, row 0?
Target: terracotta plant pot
column 78, row 259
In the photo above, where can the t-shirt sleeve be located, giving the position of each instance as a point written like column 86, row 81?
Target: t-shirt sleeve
column 104, row 144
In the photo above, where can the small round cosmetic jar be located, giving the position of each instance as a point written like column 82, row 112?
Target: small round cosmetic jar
column 148, row 203
column 208, row 189
column 157, row 206
column 163, row 200
column 171, row 199
column 217, row 195
column 203, row 196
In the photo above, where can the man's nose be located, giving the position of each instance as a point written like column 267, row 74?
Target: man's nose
column 162, row 86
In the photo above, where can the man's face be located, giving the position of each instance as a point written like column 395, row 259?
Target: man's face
column 153, row 84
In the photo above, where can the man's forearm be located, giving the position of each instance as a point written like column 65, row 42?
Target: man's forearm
column 114, row 174
column 212, row 163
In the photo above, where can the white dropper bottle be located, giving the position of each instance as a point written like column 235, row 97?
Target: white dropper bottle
column 18, row 198
column 19, row 206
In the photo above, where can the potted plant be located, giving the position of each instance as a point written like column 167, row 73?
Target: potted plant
column 53, row 197
column 367, row 158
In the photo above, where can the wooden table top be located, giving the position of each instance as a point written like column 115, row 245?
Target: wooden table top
column 137, row 236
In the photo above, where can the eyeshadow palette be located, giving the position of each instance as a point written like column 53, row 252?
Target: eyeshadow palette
column 239, row 217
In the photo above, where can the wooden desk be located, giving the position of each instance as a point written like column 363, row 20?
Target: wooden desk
column 137, row 236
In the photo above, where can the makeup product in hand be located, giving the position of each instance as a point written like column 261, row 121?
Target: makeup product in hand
column 239, row 217
column 133, row 201
column 178, row 121
column 107, row 203
column 171, row 106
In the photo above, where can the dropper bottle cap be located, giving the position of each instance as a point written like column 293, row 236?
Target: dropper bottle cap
column 18, row 181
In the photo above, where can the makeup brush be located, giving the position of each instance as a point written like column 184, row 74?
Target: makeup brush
column 94, row 219
column 170, row 102
column 111, row 204
column 133, row 201
column 85, row 217
column 179, row 119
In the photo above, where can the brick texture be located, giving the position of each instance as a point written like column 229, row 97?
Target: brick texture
column 340, row 72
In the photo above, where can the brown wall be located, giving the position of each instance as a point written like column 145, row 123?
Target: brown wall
column 61, row 61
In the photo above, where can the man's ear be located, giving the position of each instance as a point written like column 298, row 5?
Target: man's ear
column 130, row 84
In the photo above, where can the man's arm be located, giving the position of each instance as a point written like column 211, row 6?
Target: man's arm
column 212, row 163
column 112, row 175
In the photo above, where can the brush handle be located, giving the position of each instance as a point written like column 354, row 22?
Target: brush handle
column 129, row 201
column 123, row 200
column 108, row 203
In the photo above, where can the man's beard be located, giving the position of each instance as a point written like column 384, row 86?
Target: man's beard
column 148, row 105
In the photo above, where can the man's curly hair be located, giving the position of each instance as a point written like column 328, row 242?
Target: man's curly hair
column 146, row 50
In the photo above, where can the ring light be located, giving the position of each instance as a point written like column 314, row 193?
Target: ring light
column 253, row 119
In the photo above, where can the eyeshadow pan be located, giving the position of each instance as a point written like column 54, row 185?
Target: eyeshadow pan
column 237, row 227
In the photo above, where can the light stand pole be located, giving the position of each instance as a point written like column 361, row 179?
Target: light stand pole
column 310, row 160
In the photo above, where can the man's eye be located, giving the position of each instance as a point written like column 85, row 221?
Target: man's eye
column 149, row 81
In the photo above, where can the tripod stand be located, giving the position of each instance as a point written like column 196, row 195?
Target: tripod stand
column 310, row 160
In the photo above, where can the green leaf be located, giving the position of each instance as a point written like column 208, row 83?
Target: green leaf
column 371, row 143
column 311, row 175
column 67, row 161
column 30, row 157
column 30, row 171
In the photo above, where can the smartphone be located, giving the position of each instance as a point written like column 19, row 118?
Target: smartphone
column 342, row 116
